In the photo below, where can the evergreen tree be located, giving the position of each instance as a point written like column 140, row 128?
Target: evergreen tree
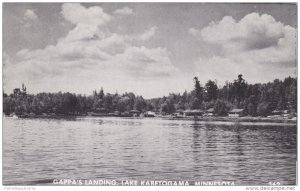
column 239, row 88
column 198, row 96
column 211, row 90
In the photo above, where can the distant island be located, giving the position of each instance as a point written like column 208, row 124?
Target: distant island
column 237, row 99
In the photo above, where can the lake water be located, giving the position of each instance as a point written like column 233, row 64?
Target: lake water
column 36, row 151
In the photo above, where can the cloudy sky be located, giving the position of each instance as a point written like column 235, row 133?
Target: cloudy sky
column 149, row 49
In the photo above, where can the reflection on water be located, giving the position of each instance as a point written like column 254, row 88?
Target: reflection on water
column 35, row 151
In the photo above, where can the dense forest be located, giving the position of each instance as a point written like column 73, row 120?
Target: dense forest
column 255, row 99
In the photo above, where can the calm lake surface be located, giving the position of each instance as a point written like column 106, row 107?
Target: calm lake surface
column 36, row 151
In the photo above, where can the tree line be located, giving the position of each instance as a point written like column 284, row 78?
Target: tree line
column 258, row 99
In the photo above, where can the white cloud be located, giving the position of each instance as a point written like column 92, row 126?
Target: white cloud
column 111, row 55
column 124, row 11
column 145, row 63
column 79, row 15
column 30, row 15
column 149, row 33
column 257, row 46
column 87, row 21
column 254, row 31
column 89, row 55
column 29, row 18
column 193, row 31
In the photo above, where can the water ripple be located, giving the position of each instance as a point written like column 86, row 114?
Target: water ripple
column 37, row 151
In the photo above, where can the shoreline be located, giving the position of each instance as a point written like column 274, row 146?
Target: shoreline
column 204, row 119
column 243, row 119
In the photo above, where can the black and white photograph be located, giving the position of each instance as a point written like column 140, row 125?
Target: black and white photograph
column 149, row 94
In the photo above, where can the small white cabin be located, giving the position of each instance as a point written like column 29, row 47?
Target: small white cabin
column 235, row 112
column 194, row 113
column 210, row 112
column 149, row 114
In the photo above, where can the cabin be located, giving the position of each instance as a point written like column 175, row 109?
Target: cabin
column 101, row 110
column 134, row 113
column 180, row 111
column 115, row 113
column 125, row 114
column 235, row 113
column 286, row 114
column 194, row 112
column 279, row 113
column 210, row 112
column 149, row 114
column 178, row 114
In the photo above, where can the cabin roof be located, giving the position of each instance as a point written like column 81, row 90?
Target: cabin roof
column 150, row 112
column 134, row 111
column 193, row 111
column 236, row 110
column 277, row 111
column 210, row 110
